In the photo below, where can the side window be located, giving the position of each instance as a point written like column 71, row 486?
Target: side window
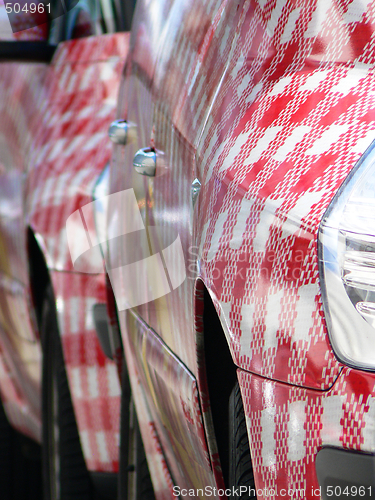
column 54, row 21
column 89, row 17
column 59, row 20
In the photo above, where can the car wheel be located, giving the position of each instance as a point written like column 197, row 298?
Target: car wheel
column 65, row 476
column 240, row 467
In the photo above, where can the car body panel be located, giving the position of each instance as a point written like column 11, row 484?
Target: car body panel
column 269, row 171
column 160, row 473
column 172, row 394
column 233, row 180
column 287, row 425
column 22, row 87
column 54, row 146
column 93, row 378
column 79, row 103
column 140, row 92
column 269, row 104
column 271, row 132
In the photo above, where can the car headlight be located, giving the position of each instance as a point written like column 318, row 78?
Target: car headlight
column 347, row 266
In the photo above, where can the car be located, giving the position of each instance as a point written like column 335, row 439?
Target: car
column 240, row 244
column 235, row 225
column 60, row 388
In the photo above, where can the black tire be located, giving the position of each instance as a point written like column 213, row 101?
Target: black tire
column 134, row 476
column 65, row 475
column 240, row 467
column 145, row 490
column 6, row 466
column 20, row 464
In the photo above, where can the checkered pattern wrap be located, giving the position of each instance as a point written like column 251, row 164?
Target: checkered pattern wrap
column 287, row 426
column 16, row 404
column 93, row 378
column 160, row 474
column 71, row 147
column 21, row 87
column 271, row 124
column 68, row 151
column 270, row 105
column 287, row 126
column 175, row 406
column 19, row 375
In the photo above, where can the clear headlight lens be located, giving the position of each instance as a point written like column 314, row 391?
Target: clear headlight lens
column 347, row 266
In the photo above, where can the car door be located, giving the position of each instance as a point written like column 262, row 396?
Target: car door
column 191, row 69
column 127, row 233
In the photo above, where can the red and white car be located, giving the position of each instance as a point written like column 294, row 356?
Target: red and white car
column 259, row 117
column 55, row 112
column 236, row 223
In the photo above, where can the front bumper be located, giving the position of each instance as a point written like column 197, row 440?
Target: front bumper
column 289, row 425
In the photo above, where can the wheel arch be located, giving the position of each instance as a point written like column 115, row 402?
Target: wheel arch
column 38, row 271
column 216, row 378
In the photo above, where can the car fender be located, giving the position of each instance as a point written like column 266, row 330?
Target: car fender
column 268, row 175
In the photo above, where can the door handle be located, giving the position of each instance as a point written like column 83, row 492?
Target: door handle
column 195, row 188
column 122, row 132
column 144, row 162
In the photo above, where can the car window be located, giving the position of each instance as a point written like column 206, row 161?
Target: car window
column 90, row 17
column 59, row 20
